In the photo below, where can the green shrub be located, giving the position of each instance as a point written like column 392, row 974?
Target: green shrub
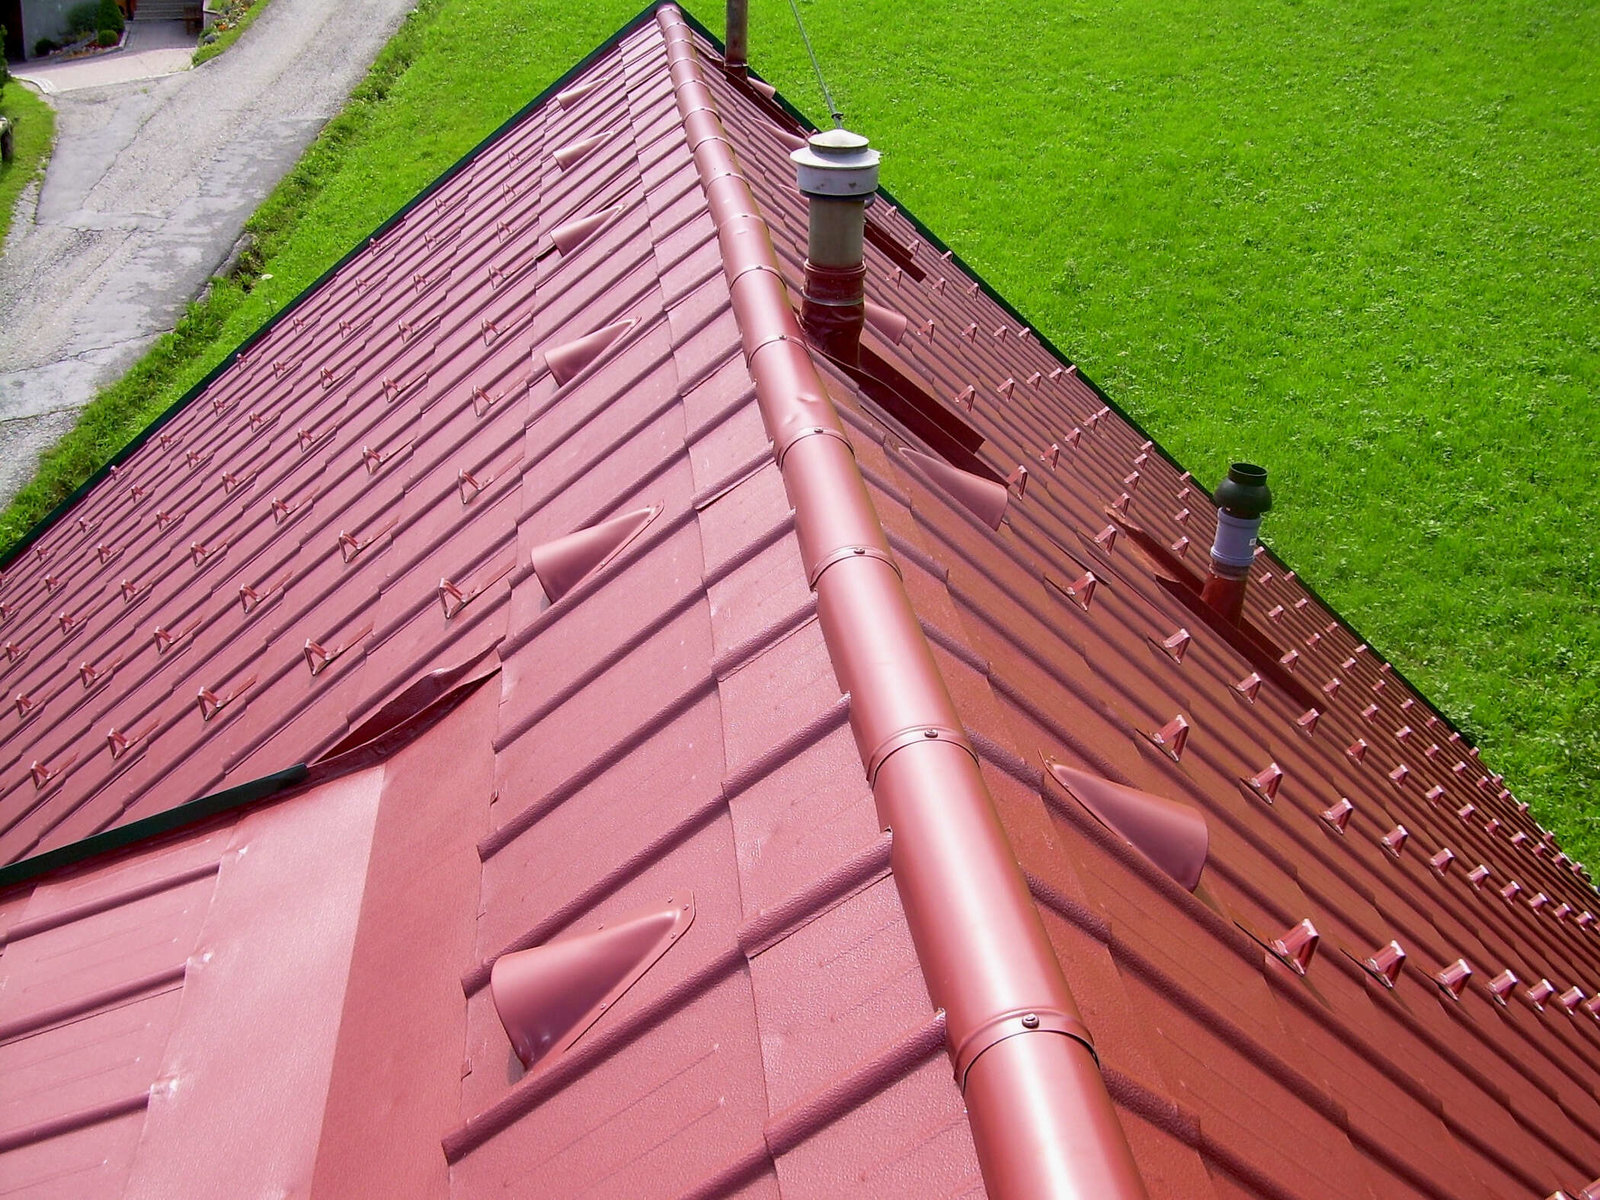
column 83, row 19
column 106, row 37
column 111, row 17
column 5, row 72
column 45, row 46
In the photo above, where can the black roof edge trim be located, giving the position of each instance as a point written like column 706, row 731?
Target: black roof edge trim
column 174, row 819
column 44, row 523
column 935, row 240
column 380, row 743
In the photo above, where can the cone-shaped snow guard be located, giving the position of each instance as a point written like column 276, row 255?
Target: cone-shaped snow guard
column 568, row 359
column 573, row 234
column 548, row 996
column 561, row 564
column 984, row 498
column 1171, row 835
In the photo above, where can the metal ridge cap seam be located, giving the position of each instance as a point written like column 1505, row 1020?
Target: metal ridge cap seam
column 1011, row 1153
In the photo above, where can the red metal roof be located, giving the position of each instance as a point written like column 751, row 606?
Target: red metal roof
column 381, row 489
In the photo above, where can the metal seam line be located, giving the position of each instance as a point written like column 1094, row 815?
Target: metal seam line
column 1042, row 1120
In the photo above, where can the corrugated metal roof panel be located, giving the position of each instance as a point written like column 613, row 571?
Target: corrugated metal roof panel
column 357, row 503
column 182, row 996
column 1091, row 686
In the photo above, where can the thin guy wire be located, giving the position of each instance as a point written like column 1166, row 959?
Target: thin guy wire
column 827, row 96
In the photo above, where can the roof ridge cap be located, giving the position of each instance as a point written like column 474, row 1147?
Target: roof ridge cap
column 985, row 956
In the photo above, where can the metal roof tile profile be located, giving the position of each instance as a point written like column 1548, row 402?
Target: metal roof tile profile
column 552, row 728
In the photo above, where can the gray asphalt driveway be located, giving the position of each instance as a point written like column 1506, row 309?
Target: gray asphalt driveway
column 149, row 187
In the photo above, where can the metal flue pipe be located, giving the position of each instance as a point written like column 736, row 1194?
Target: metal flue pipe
column 838, row 172
column 1242, row 499
column 736, row 45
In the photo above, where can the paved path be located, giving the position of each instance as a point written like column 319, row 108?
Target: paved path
column 149, row 186
column 150, row 50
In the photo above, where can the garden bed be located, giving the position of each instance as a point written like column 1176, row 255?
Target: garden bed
column 224, row 25
column 93, row 27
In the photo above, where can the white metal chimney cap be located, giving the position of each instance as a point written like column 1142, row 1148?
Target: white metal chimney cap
column 837, row 162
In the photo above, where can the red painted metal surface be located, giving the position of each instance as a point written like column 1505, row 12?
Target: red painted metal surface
column 1225, row 593
column 1089, row 684
column 981, row 944
column 375, row 477
column 184, row 997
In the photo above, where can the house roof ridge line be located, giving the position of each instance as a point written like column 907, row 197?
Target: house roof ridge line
column 984, row 952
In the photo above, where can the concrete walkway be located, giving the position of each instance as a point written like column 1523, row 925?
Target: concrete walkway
column 149, row 187
column 150, row 49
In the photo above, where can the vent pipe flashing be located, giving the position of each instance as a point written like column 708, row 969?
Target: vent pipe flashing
column 1242, row 499
column 837, row 171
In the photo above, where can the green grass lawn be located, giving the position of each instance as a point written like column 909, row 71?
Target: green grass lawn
column 1354, row 242
column 35, row 130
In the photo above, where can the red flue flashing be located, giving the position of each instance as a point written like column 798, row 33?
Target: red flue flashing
column 1042, row 1121
column 833, row 309
column 1225, row 594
